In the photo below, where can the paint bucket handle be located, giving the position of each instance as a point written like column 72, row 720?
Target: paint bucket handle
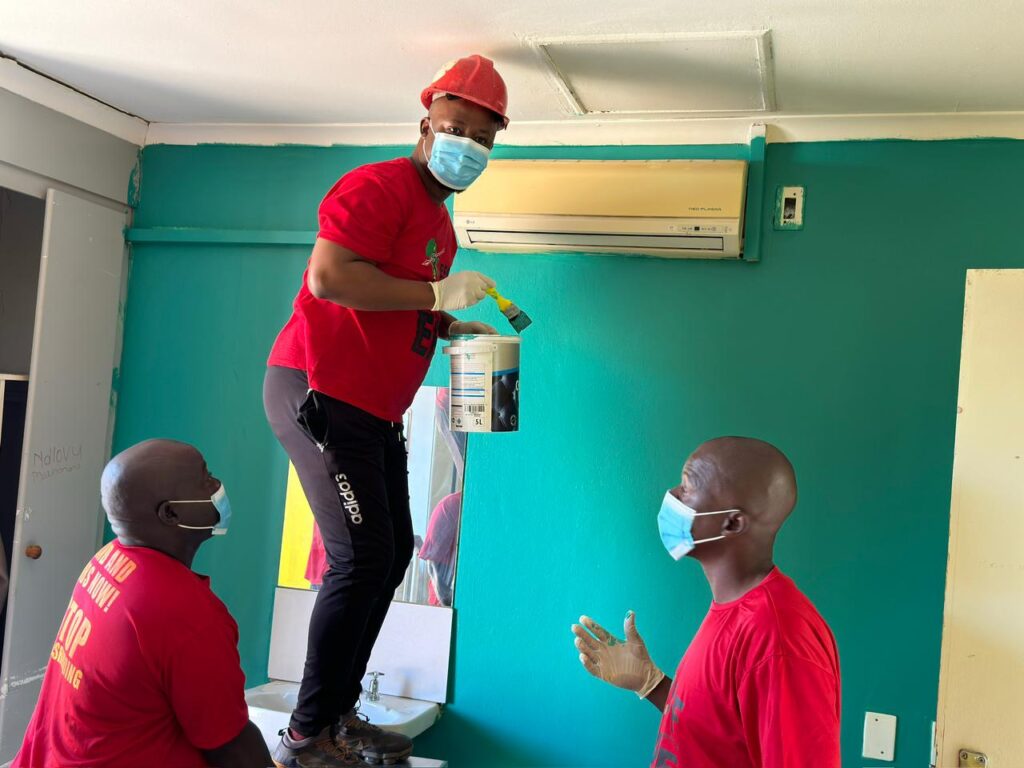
column 470, row 349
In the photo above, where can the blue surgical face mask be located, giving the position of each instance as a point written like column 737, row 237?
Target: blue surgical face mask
column 222, row 504
column 675, row 524
column 456, row 161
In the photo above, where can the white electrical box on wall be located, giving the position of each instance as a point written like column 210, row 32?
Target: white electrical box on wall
column 879, row 736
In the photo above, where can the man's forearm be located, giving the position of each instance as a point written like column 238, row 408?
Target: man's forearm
column 659, row 696
column 247, row 750
column 361, row 285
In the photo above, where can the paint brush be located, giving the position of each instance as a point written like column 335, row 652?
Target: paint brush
column 518, row 319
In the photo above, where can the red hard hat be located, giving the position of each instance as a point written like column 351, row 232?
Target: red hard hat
column 472, row 78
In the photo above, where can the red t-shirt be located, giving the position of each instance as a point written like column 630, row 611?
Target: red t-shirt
column 373, row 360
column 442, row 530
column 439, row 540
column 757, row 688
column 316, row 562
column 144, row 670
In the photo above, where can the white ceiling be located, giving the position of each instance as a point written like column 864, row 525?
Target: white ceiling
column 356, row 62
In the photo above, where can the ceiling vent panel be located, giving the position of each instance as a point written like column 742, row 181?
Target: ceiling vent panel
column 710, row 74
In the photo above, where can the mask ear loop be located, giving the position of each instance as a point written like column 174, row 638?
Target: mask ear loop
column 705, row 541
column 717, row 512
column 197, row 527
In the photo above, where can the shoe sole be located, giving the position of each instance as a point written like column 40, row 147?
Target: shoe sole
column 391, row 758
column 282, row 765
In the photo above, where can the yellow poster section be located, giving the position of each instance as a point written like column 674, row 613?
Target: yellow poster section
column 298, row 533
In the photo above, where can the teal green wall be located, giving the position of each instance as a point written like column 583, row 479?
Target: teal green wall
column 841, row 346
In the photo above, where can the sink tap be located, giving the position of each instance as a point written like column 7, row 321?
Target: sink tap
column 374, row 694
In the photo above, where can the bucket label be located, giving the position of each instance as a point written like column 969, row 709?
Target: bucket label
column 472, row 373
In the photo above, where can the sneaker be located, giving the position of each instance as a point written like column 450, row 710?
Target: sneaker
column 373, row 744
column 321, row 751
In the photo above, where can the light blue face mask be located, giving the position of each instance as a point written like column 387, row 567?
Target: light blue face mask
column 223, row 506
column 456, row 161
column 675, row 524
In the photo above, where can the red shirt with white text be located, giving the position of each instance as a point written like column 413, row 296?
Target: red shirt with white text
column 144, row 670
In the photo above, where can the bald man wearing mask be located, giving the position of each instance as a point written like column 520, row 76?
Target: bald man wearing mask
column 759, row 685
column 145, row 669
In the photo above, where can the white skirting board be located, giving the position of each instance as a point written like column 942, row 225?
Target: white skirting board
column 412, row 651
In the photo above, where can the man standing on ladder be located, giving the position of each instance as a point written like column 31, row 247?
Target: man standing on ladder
column 344, row 370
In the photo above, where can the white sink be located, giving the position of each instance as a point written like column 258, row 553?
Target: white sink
column 401, row 715
column 271, row 705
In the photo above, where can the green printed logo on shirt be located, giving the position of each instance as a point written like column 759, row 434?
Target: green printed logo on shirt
column 432, row 257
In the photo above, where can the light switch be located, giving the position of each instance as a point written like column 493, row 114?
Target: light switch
column 789, row 208
column 879, row 736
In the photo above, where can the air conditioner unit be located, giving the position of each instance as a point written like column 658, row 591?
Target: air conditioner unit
column 668, row 208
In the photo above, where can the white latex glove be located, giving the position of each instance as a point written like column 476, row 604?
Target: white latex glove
column 459, row 291
column 623, row 664
column 471, row 327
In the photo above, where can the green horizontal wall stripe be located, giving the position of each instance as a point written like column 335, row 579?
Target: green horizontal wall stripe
column 203, row 236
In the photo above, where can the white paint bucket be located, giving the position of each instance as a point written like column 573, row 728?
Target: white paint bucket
column 484, row 383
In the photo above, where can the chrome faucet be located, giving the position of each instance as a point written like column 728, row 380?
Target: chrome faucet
column 374, row 694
